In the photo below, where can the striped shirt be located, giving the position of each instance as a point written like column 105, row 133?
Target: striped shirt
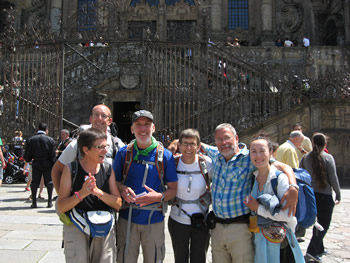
column 232, row 181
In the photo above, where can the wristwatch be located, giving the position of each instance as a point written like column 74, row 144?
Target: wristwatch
column 163, row 196
column 295, row 186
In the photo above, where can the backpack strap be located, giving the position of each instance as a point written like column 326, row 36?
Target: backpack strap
column 115, row 146
column 160, row 164
column 73, row 167
column 274, row 182
column 128, row 161
column 202, row 166
column 205, row 199
column 204, row 170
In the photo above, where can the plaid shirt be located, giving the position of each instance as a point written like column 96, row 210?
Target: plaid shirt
column 232, row 181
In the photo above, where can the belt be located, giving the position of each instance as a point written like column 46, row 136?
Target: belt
column 237, row 220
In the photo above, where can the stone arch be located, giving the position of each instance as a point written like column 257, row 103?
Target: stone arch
column 334, row 31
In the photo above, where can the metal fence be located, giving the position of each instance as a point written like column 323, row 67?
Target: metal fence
column 200, row 86
column 30, row 80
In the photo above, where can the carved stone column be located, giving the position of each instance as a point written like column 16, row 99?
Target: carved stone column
column 347, row 21
column 266, row 15
column 55, row 15
column 267, row 23
column 216, row 15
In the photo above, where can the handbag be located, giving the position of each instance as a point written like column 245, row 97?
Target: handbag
column 275, row 233
column 92, row 223
column 197, row 221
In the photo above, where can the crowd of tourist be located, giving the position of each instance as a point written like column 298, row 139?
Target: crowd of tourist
column 215, row 192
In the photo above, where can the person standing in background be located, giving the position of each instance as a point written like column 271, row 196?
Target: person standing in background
column 2, row 163
column 40, row 150
column 324, row 181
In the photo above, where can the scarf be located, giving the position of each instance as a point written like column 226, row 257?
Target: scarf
column 146, row 151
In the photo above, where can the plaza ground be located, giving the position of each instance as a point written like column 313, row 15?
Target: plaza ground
column 35, row 235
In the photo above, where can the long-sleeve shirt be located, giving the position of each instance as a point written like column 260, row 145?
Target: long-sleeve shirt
column 332, row 178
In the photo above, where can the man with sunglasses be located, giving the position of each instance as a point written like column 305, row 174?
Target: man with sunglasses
column 100, row 118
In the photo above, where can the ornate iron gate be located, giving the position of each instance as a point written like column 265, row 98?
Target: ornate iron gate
column 31, row 80
column 195, row 86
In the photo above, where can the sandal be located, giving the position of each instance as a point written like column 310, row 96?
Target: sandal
column 40, row 197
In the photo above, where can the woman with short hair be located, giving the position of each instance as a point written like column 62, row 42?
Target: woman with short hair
column 92, row 187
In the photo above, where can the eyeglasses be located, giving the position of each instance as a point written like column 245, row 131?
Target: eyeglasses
column 191, row 145
column 102, row 115
column 101, row 147
column 225, row 139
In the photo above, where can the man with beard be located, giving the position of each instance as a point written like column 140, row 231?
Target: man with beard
column 231, row 183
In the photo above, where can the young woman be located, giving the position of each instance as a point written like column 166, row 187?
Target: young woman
column 263, row 200
column 190, row 244
column 94, row 189
column 322, row 168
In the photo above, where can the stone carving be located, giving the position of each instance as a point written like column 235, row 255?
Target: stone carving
column 36, row 14
column 290, row 17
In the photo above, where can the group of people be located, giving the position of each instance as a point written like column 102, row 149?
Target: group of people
column 134, row 184
column 288, row 43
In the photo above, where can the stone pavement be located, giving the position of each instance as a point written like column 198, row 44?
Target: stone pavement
column 35, row 235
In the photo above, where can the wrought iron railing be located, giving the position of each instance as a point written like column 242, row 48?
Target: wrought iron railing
column 30, row 89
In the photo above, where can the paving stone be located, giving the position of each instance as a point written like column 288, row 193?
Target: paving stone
column 35, row 235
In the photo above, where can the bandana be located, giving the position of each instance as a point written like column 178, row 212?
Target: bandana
column 146, row 151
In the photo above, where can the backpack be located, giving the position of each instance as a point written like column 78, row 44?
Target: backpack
column 306, row 208
column 73, row 167
column 158, row 163
column 205, row 199
column 202, row 167
column 113, row 133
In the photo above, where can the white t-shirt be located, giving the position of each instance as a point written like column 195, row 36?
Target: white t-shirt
column 70, row 153
column 306, row 42
column 288, row 43
column 196, row 189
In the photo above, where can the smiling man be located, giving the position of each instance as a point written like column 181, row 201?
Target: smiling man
column 232, row 181
column 142, row 169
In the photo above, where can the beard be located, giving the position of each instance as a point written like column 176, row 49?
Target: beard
column 228, row 150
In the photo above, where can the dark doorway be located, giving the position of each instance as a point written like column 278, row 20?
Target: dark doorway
column 331, row 35
column 122, row 113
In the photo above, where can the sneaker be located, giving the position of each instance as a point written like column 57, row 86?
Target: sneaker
column 300, row 239
column 314, row 258
column 324, row 253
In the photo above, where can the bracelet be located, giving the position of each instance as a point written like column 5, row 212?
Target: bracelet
column 78, row 196
column 100, row 196
column 295, row 186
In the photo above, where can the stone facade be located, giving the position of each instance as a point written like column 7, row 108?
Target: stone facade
column 114, row 74
column 331, row 118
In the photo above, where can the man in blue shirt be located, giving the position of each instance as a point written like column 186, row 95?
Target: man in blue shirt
column 232, row 181
column 141, row 220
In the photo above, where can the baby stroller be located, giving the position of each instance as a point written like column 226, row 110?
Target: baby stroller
column 14, row 169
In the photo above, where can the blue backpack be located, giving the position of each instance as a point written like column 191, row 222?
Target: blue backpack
column 306, row 208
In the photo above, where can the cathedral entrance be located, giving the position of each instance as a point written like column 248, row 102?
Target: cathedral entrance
column 122, row 113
